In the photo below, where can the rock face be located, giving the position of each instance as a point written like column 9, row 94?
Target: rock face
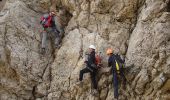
column 139, row 30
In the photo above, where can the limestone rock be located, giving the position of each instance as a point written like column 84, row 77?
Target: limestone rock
column 138, row 30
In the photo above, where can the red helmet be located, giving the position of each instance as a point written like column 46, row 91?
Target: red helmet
column 109, row 51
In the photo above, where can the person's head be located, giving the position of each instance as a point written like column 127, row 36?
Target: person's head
column 92, row 48
column 52, row 13
column 109, row 52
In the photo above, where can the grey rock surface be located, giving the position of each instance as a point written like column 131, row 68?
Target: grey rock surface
column 138, row 30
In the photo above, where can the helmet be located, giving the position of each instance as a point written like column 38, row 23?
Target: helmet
column 92, row 47
column 109, row 51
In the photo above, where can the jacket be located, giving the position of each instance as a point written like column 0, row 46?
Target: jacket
column 91, row 60
column 112, row 63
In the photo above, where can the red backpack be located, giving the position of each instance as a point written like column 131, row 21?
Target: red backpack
column 46, row 20
column 98, row 61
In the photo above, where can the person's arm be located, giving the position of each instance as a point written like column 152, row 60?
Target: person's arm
column 56, row 21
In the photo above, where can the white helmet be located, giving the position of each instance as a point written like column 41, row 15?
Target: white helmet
column 92, row 47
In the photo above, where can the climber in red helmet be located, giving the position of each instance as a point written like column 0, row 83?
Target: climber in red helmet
column 116, row 63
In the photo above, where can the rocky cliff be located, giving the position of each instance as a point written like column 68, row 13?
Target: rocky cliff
column 139, row 30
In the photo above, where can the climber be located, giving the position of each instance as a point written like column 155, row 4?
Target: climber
column 117, row 70
column 90, row 68
column 49, row 25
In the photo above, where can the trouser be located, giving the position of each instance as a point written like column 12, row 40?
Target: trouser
column 92, row 75
column 115, row 82
column 52, row 32
column 123, row 77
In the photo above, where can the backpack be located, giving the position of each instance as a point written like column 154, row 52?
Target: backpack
column 98, row 60
column 44, row 20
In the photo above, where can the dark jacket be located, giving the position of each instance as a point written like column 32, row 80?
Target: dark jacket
column 91, row 60
column 112, row 63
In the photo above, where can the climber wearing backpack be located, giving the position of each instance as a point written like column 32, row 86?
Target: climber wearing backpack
column 116, row 63
column 90, row 62
column 49, row 25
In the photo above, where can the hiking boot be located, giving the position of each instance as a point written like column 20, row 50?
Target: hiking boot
column 116, row 98
column 80, row 84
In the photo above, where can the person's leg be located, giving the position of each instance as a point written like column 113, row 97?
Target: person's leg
column 85, row 70
column 123, row 79
column 57, row 37
column 61, row 32
column 44, row 39
column 93, row 79
column 115, row 83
